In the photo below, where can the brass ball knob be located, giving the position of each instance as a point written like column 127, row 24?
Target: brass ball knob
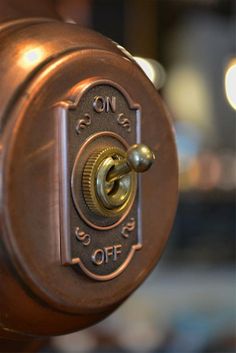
column 140, row 157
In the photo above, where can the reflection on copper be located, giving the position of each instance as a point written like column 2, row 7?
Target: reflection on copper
column 30, row 56
column 38, row 153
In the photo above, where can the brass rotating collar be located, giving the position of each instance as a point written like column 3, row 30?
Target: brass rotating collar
column 103, row 197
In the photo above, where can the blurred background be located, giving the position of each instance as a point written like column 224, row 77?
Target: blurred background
column 188, row 50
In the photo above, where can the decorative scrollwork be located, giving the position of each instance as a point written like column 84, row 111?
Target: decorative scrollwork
column 128, row 228
column 83, row 237
column 124, row 121
column 82, row 123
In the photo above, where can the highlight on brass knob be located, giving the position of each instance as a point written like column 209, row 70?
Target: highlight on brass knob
column 139, row 158
column 110, row 179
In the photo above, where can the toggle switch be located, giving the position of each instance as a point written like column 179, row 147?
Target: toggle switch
column 109, row 178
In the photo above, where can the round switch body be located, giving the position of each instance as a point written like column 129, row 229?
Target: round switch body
column 80, row 228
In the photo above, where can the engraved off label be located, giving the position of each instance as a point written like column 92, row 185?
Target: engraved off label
column 101, row 114
column 109, row 253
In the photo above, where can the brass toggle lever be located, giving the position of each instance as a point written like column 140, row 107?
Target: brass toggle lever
column 110, row 179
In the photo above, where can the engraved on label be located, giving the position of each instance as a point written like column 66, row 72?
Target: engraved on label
column 102, row 256
column 124, row 122
column 83, row 237
column 107, row 104
column 82, row 123
column 129, row 227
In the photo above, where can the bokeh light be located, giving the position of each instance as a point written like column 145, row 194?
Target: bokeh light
column 230, row 83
